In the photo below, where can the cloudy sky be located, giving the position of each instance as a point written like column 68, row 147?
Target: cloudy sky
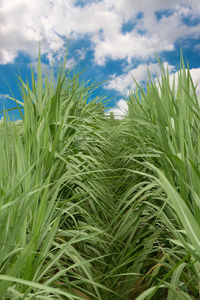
column 110, row 39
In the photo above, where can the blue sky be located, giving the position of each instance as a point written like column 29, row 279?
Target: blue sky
column 110, row 39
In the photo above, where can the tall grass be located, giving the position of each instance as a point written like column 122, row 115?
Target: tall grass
column 98, row 208
column 166, row 118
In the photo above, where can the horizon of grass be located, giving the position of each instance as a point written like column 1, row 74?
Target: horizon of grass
column 94, row 207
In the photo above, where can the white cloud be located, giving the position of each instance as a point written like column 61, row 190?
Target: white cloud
column 23, row 24
column 81, row 53
column 121, row 107
column 4, row 97
column 7, row 56
column 46, row 69
column 197, row 47
column 120, row 110
column 195, row 74
column 3, row 101
column 159, row 35
column 70, row 63
column 125, row 82
column 129, row 46
column 129, row 7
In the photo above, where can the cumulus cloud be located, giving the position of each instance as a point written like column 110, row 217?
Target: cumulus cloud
column 123, row 83
column 70, row 63
column 195, row 74
column 120, row 110
column 4, row 97
column 3, row 100
column 23, row 24
column 81, row 53
column 121, row 107
column 159, row 34
column 46, row 69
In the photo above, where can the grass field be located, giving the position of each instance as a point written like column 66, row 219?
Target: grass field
column 93, row 207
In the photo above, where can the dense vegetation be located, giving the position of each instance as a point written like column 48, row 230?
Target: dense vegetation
column 94, row 207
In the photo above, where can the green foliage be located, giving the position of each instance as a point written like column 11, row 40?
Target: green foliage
column 98, row 208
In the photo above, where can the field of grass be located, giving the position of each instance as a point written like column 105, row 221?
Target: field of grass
column 93, row 207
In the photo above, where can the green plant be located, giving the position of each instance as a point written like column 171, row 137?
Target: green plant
column 98, row 208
